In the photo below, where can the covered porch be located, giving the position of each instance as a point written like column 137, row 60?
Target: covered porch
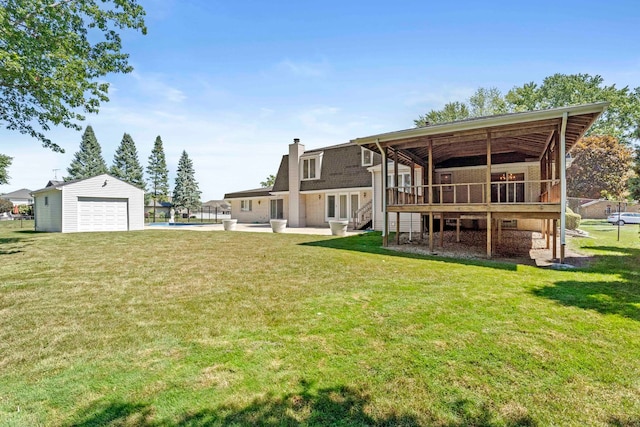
column 495, row 168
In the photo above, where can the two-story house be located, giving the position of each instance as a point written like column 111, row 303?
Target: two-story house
column 313, row 187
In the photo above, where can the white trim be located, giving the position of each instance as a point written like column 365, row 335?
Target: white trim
column 485, row 122
column 362, row 161
column 336, row 190
column 318, row 165
column 337, row 194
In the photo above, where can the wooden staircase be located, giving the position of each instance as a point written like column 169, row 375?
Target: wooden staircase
column 363, row 216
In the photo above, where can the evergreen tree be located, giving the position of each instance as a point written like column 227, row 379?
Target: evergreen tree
column 126, row 165
column 158, row 173
column 186, row 193
column 88, row 161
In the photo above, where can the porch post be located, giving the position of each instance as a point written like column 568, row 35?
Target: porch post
column 489, row 229
column 442, row 230
column 554, row 240
column 430, row 231
column 563, row 185
column 487, row 195
column 385, row 184
column 430, row 175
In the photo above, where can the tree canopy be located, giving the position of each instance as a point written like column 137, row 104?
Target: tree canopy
column 126, row 164
column 634, row 180
column 53, row 56
column 5, row 162
column 601, row 168
column 268, row 182
column 186, row 193
column 621, row 119
column 88, row 161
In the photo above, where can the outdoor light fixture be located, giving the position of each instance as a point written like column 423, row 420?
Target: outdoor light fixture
column 105, row 183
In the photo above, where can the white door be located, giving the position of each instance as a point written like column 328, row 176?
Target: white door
column 102, row 214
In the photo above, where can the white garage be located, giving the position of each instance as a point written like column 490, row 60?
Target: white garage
column 100, row 203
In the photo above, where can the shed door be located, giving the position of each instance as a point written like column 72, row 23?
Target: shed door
column 102, row 214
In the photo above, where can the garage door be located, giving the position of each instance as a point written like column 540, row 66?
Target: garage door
column 102, row 214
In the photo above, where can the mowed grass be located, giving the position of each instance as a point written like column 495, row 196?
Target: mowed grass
column 185, row 328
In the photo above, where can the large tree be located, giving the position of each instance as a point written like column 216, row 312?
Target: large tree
column 484, row 102
column 268, row 182
column 88, row 161
column 621, row 119
column 126, row 164
column 5, row 162
column 158, row 173
column 186, row 194
column 451, row 111
column 601, row 168
column 634, row 181
column 54, row 55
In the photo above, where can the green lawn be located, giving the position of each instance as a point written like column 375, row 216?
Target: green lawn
column 182, row 328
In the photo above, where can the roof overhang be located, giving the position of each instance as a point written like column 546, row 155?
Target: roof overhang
column 525, row 134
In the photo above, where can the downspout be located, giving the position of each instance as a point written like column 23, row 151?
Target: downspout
column 385, row 218
column 563, row 185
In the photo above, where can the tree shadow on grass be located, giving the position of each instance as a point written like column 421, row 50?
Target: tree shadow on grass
column 336, row 406
column 11, row 245
column 621, row 297
column 372, row 243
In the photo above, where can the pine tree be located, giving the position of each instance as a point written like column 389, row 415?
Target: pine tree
column 126, row 165
column 186, row 194
column 158, row 173
column 88, row 161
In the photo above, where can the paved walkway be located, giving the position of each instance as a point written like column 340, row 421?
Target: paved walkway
column 256, row 228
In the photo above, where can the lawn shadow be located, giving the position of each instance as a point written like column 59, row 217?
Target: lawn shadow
column 11, row 245
column 372, row 243
column 342, row 405
column 621, row 296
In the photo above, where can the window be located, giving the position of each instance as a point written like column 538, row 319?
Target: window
column 311, row 167
column 367, row 157
column 331, row 206
column 277, row 209
column 246, row 205
column 404, row 181
column 46, row 200
column 342, row 206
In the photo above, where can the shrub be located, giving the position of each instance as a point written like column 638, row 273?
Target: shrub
column 573, row 219
column 25, row 210
column 5, row 206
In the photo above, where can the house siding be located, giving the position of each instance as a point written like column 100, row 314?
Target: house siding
column 259, row 212
column 48, row 217
column 94, row 187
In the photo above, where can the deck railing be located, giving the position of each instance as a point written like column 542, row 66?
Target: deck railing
column 502, row 192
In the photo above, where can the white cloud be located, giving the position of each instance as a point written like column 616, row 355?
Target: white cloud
column 305, row 68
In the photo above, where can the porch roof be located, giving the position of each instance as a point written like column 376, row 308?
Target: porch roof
column 517, row 134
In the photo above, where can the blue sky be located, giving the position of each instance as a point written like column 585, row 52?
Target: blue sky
column 233, row 83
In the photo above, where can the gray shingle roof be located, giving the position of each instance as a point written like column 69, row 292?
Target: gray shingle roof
column 23, row 193
column 341, row 168
column 257, row 192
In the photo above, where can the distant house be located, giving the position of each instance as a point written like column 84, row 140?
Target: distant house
column 100, row 203
column 18, row 198
column 161, row 209
column 601, row 209
column 313, row 187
